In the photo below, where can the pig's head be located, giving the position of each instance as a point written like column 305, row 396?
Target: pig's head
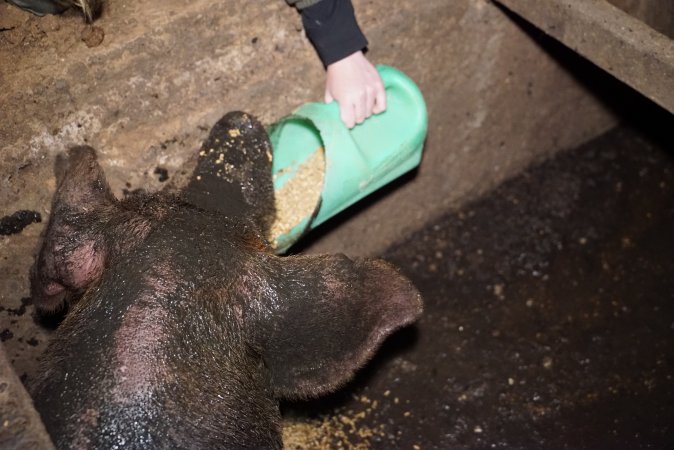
column 189, row 329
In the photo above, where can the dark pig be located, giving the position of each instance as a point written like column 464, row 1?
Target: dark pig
column 184, row 329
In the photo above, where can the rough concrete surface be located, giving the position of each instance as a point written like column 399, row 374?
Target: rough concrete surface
column 622, row 45
column 658, row 15
column 20, row 425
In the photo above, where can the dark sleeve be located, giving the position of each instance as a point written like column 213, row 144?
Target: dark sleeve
column 332, row 28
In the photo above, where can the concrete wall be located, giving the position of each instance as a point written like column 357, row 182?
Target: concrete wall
column 165, row 71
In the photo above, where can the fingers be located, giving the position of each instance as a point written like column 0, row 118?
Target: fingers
column 348, row 114
column 370, row 97
column 379, row 98
column 360, row 107
column 357, row 87
column 371, row 101
column 356, row 108
column 351, row 111
column 346, row 110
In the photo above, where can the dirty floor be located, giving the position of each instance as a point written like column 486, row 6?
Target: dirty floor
column 549, row 319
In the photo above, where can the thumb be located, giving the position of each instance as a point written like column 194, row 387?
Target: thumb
column 328, row 97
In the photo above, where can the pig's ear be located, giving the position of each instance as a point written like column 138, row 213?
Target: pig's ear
column 72, row 254
column 233, row 173
column 332, row 315
column 81, row 184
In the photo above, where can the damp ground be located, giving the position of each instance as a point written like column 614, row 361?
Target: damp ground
column 548, row 323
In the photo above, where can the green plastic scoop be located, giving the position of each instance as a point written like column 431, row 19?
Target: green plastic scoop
column 357, row 161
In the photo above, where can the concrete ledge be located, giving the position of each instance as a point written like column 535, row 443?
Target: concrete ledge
column 622, row 45
column 20, row 425
column 657, row 15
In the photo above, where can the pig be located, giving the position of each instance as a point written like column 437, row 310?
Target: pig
column 183, row 328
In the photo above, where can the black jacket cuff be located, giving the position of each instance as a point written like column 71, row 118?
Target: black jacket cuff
column 332, row 28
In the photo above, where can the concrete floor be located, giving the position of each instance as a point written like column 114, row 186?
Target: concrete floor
column 549, row 316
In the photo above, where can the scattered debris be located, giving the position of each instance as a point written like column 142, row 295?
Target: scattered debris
column 163, row 174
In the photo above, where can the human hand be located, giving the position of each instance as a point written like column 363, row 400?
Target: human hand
column 356, row 85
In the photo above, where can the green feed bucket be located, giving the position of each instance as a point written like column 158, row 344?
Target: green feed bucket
column 357, row 162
